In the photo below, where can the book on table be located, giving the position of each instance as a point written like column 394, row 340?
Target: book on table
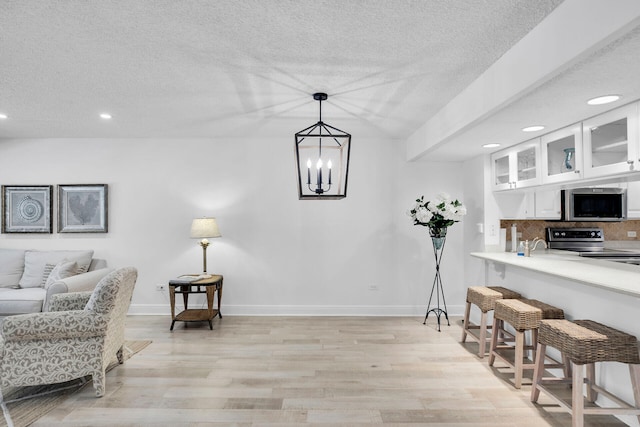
column 187, row 279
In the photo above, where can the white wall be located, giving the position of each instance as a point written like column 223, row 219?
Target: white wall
column 475, row 228
column 278, row 255
column 414, row 250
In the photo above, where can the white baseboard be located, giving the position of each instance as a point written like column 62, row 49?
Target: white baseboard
column 303, row 310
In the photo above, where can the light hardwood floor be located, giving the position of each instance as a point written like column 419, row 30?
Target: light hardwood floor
column 290, row 371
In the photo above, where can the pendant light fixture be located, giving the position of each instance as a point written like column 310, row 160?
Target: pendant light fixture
column 322, row 157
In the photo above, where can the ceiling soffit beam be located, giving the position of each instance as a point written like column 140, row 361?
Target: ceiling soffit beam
column 573, row 31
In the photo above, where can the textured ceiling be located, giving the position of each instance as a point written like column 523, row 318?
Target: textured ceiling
column 229, row 68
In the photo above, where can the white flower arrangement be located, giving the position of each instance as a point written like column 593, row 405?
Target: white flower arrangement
column 438, row 214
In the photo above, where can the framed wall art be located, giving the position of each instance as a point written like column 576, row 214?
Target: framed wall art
column 27, row 208
column 82, row 208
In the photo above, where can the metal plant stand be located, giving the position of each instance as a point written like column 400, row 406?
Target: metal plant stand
column 438, row 247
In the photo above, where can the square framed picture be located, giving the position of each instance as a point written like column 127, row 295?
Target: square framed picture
column 82, row 208
column 27, row 208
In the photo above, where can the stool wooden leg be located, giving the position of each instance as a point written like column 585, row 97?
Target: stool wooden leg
column 567, row 366
column 518, row 358
column 577, row 400
column 465, row 321
column 483, row 335
column 634, row 372
column 538, row 372
column 534, row 343
column 592, row 394
column 497, row 326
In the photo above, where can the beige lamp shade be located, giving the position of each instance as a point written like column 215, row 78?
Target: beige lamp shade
column 202, row 228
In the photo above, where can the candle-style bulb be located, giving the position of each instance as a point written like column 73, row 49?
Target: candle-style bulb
column 308, row 163
column 319, row 176
column 329, row 164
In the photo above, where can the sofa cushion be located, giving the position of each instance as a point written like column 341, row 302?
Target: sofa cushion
column 20, row 301
column 35, row 262
column 11, row 267
column 62, row 270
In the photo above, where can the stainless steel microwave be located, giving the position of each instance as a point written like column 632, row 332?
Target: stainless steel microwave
column 594, row 204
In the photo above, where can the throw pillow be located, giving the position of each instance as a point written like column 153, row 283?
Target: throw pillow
column 35, row 261
column 48, row 268
column 62, row 270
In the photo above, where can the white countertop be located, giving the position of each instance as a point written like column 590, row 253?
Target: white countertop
column 613, row 276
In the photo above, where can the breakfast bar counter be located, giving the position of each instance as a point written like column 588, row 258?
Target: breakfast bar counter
column 612, row 276
column 585, row 288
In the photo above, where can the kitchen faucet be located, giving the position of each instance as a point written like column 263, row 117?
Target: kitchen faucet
column 534, row 244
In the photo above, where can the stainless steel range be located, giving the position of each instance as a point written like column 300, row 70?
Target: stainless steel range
column 589, row 242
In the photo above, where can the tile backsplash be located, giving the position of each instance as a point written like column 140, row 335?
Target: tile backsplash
column 531, row 229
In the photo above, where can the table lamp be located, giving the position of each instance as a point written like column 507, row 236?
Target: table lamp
column 203, row 228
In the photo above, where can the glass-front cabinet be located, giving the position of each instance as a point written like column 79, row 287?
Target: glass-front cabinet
column 562, row 155
column 516, row 167
column 605, row 146
column 611, row 142
column 501, row 171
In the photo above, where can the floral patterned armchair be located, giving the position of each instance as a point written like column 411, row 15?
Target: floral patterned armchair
column 78, row 337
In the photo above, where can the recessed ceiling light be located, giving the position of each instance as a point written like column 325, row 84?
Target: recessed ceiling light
column 603, row 99
column 105, row 116
column 532, row 128
column 492, row 145
column 3, row 116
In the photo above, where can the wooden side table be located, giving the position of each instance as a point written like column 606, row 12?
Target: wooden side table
column 203, row 286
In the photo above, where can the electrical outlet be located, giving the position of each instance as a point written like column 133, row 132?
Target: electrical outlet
column 631, row 234
column 373, row 287
column 161, row 287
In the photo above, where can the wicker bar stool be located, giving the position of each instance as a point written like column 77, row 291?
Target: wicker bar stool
column 523, row 315
column 585, row 342
column 485, row 298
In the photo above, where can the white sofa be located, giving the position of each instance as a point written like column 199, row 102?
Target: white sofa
column 28, row 278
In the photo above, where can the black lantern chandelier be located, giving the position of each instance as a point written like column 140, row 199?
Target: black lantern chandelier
column 322, row 155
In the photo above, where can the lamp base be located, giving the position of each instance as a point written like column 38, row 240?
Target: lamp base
column 204, row 243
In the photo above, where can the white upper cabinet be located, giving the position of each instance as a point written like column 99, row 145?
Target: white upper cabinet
column 562, row 155
column 516, row 167
column 611, row 143
column 516, row 204
column 633, row 200
column 538, row 204
column 547, row 204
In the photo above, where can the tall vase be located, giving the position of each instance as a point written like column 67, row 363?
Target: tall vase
column 438, row 238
